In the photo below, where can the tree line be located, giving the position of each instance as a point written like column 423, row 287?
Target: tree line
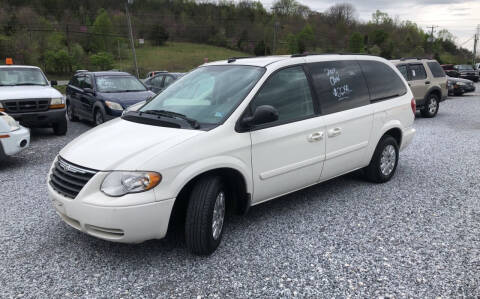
column 64, row 35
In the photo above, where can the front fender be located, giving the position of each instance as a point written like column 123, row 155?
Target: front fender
column 203, row 166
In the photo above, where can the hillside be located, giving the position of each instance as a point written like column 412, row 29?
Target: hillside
column 175, row 57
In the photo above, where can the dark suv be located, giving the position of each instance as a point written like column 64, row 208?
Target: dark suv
column 467, row 72
column 161, row 80
column 101, row 96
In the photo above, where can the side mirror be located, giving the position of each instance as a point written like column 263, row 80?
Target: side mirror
column 262, row 115
column 89, row 90
column 53, row 83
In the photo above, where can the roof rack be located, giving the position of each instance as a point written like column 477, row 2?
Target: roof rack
column 233, row 59
column 80, row 71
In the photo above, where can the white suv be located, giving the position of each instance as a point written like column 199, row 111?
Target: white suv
column 230, row 135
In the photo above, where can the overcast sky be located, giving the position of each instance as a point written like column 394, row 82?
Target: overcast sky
column 460, row 17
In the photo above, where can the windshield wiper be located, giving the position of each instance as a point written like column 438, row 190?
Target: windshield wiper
column 192, row 122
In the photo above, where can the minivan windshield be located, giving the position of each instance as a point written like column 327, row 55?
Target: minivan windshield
column 118, row 84
column 14, row 76
column 208, row 94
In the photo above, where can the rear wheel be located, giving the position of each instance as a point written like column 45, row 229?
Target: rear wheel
column 431, row 106
column 60, row 128
column 384, row 162
column 205, row 215
column 99, row 118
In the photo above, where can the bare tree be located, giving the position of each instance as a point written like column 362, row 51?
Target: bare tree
column 341, row 13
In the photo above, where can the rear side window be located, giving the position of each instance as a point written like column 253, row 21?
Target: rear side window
column 288, row 92
column 339, row 85
column 403, row 70
column 383, row 82
column 417, row 72
column 74, row 82
column 436, row 69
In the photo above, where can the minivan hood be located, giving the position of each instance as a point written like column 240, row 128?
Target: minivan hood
column 28, row 92
column 123, row 145
column 126, row 99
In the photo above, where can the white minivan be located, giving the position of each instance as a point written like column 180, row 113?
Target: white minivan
column 230, row 135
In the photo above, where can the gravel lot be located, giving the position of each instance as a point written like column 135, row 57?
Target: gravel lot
column 416, row 236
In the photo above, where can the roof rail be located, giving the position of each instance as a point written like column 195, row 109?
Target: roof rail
column 310, row 54
column 80, row 71
column 409, row 58
column 233, row 59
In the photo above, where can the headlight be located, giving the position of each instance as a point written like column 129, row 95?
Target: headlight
column 12, row 124
column 119, row 183
column 460, row 84
column 114, row 106
column 57, row 103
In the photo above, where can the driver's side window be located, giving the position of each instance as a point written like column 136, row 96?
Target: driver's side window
column 289, row 93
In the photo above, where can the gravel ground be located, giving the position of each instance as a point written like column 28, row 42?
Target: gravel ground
column 416, row 236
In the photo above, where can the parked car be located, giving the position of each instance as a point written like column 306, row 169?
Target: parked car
column 160, row 81
column 101, row 96
column 459, row 86
column 27, row 96
column 260, row 128
column 13, row 137
column 467, row 72
column 428, row 82
column 153, row 73
column 477, row 66
column 450, row 70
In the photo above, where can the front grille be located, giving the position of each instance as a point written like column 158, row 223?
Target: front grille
column 26, row 105
column 68, row 179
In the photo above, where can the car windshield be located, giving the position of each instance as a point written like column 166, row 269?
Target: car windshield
column 118, row 84
column 12, row 76
column 208, row 94
column 465, row 67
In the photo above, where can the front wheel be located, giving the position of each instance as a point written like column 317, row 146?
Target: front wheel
column 384, row 161
column 60, row 128
column 205, row 215
column 70, row 113
column 98, row 117
column 431, row 106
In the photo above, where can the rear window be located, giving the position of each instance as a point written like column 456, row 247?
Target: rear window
column 383, row 82
column 339, row 85
column 436, row 69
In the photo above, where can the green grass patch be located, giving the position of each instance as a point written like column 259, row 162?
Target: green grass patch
column 62, row 89
column 175, row 57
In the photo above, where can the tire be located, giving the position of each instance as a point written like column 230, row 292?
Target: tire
column 71, row 113
column 387, row 148
column 60, row 128
column 3, row 156
column 205, row 199
column 98, row 117
column 432, row 104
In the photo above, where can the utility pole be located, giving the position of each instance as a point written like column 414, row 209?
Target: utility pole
column 475, row 43
column 432, row 31
column 132, row 42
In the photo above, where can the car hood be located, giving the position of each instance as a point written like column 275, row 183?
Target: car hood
column 127, row 99
column 459, row 80
column 123, row 145
column 28, row 92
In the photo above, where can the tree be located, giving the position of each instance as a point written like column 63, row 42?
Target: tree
column 380, row 17
column 102, row 61
column 343, row 13
column 306, row 39
column 290, row 8
column 356, row 43
column 158, row 35
column 260, row 49
column 102, row 32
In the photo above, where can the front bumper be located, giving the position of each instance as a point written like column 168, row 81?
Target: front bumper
column 39, row 119
column 18, row 140
column 124, row 224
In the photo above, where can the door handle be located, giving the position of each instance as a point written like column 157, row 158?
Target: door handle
column 427, row 82
column 315, row 136
column 334, row 132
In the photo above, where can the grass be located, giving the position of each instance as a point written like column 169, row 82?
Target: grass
column 62, row 89
column 175, row 57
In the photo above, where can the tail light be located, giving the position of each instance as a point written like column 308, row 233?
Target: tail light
column 414, row 106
